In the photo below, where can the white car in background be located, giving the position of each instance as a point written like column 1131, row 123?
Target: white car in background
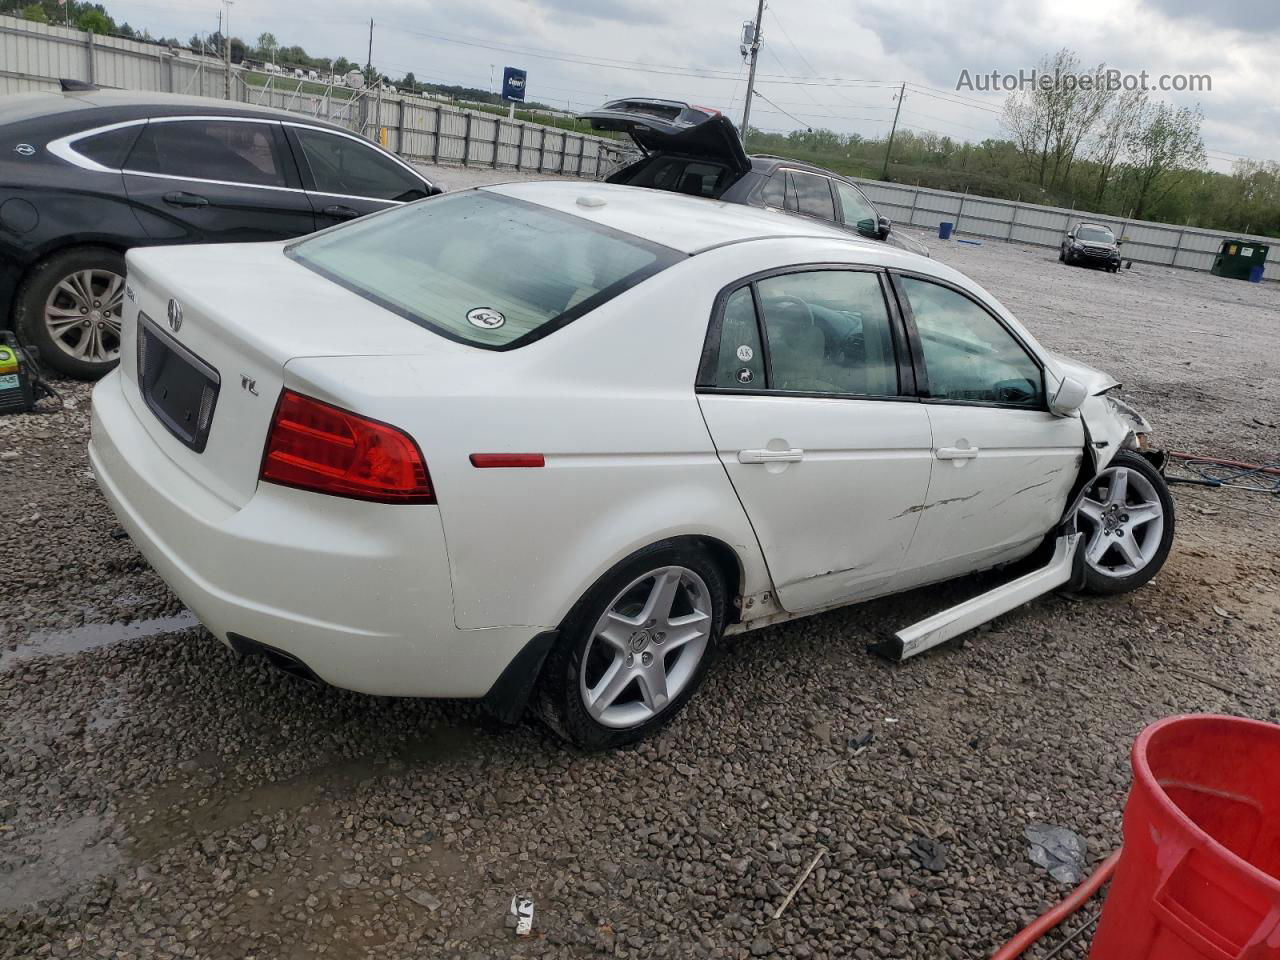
column 557, row 439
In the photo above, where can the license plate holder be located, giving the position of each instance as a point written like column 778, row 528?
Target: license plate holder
column 178, row 387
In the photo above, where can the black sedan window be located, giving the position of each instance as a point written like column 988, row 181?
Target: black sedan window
column 234, row 151
column 109, row 148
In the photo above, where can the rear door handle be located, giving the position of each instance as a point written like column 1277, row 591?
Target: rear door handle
column 181, row 198
column 794, row 455
column 340, row 212
column 957, row 453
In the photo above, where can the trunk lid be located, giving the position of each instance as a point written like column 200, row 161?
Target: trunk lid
column 672, row 126
column 208, row 331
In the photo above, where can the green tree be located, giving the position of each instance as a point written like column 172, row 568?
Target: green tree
column 267, row 45
column 1164, row 146
column 94, row 21
column 35, row 13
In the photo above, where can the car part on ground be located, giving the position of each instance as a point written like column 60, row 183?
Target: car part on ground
column 107, row 171
column 251, row 457
column 965, row 616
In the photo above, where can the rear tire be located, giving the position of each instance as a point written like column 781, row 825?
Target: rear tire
column 1127, row 520
column 70, row 307
column 635, row 648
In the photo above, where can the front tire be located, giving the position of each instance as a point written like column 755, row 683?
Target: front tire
column 1127, row 520
column 633, row 651
column 71, row 307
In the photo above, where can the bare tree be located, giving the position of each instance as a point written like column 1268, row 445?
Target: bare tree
column 1164, row 144
column 1126, row 113
column 1050, row 120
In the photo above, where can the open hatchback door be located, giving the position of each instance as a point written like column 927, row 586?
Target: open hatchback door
column 687, row 149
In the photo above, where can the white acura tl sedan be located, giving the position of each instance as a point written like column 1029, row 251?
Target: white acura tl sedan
column 553, row 441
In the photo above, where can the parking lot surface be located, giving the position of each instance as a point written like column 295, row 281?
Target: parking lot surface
column 162, row 798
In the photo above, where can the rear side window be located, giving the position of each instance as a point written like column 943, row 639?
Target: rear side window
column 741, row 361
column 348, row 167
column 234, row 151
column 829, row 332
column 812, row 195
column 774, row 192
column 482, row 268
column 109, row 148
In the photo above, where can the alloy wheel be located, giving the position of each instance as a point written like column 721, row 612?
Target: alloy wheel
column 646, row 647
column 83, row 315
column 1123, row 522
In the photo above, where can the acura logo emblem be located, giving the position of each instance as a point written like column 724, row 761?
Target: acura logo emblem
column 175, row 315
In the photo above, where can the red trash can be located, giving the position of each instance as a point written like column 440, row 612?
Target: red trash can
column 1197, row 878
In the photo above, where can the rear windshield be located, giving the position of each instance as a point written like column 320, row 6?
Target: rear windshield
column 1095, row 235
column 681, row 175
column 482, row 268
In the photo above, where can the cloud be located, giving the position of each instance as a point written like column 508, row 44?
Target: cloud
column 1250, row 16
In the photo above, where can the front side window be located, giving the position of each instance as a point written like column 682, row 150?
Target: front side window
column 968, row 354
column 855, row 210
column 828, row 332
column 811, row 195
column 232, row 151
column 482, row 268
column 350, row 168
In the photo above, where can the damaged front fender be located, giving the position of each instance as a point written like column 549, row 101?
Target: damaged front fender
column 1112, row 426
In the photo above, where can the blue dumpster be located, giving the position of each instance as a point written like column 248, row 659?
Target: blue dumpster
column 944, row 230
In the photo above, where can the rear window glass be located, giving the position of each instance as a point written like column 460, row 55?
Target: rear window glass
column 109, row 148
column 680, row 175
column 482, row 268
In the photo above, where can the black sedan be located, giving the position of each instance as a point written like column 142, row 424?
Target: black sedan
column 85, row 175
column 696, row 150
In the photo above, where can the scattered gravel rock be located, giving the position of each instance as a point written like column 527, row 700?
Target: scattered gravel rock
column 163, row 798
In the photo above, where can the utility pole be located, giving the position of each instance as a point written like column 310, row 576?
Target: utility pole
column 226, row 49
column 368, row 67
column 902, row 95
column 751, row 75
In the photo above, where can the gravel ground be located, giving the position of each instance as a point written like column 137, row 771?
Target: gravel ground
column 161, row 798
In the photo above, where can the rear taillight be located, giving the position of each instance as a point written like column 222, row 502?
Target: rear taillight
column 316, row 446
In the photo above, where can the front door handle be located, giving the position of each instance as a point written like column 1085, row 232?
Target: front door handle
column 181, row 198
column 957, row 453
column 340, row 212
column 794, row 455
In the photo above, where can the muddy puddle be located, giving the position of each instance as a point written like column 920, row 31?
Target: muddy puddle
column 189, row 809
column 92, row 636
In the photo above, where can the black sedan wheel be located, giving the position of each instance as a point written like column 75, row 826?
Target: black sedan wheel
column 71, row 307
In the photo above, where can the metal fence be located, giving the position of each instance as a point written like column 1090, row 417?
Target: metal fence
column 34, row 56
column 1144, row 241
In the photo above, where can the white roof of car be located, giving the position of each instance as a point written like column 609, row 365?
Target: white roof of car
column 685, row 223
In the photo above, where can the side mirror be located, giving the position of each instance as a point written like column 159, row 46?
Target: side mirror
column 883, row 226
column 1067, row 400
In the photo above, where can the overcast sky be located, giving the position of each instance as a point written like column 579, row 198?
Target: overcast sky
column 814, row 53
